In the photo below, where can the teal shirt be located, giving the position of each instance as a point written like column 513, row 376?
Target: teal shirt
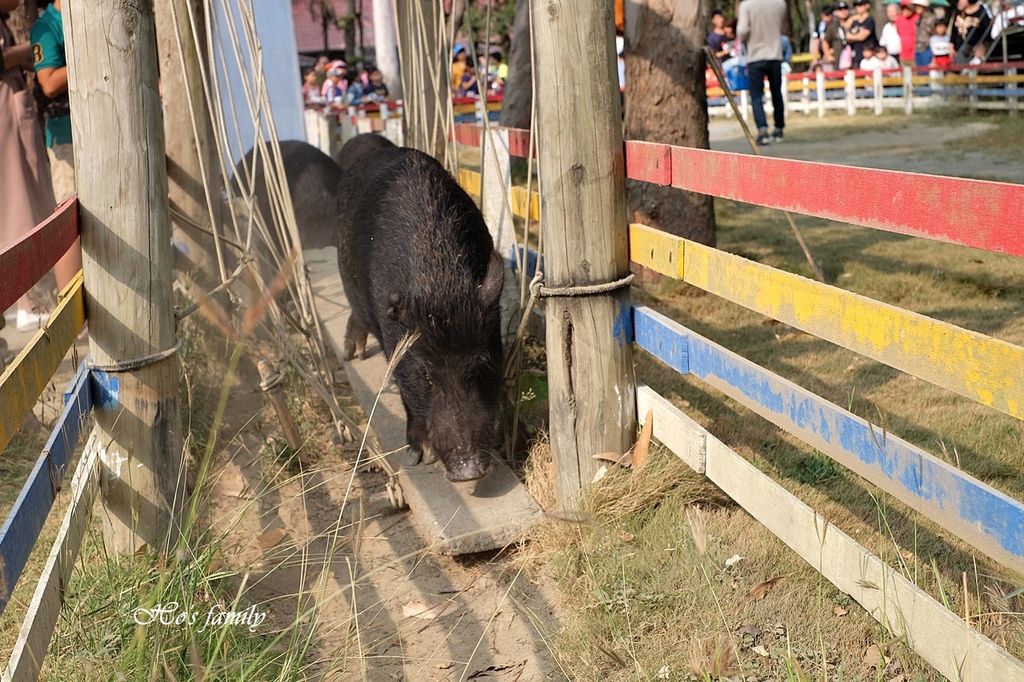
column 48, row 53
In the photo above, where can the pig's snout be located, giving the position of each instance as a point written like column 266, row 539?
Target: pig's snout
column 461, row 469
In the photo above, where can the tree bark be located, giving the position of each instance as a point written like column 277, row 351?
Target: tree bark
column 666, row 102
column 515, row 112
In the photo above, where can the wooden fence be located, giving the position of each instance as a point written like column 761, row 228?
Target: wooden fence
column 981, row 368
column 994, row 86
column 23, row 264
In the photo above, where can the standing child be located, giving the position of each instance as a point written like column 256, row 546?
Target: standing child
column 941, row 47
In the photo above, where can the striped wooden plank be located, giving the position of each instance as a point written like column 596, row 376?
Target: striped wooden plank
column 468, row 134
column 947, row 643
column 27, row 516
column 655, row 249
column 36, row 630
column 519, row 142
column 649, row 162
column 27, row 375
column 470, row 181
column 24, row 262
column 976, row 513
column 978, row 213
column 519, row 202
column 979, row 367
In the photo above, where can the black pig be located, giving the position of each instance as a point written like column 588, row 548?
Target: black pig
column 312, row 182
column 360, row 148
column 416, row 258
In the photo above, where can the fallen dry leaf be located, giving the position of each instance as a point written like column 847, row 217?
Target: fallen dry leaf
column 872, row 656
column 760, row 650
column 840, row 611
column 270, row 538
column 733, row 560
column 626, row 536
column 643, row 443
column 599, row 474
column 625, row 460
column 417, row 609
column 761, row 590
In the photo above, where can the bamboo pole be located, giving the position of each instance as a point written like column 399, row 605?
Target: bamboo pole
column 191, row 152
column 122, row 190
column 425, row 75
column 583, row 202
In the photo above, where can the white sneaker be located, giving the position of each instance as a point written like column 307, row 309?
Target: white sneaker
column 29, row 321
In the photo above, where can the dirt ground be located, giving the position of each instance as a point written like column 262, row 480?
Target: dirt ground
column 937, row 143
column 325, row 541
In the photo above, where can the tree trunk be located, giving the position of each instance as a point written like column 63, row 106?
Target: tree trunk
column 515, row 113
column 385, row 40
column 666, row 102
column 351, row 48
column 22, row 19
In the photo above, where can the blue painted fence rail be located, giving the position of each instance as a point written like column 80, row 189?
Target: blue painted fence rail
column 21, row 528
column 977, row 513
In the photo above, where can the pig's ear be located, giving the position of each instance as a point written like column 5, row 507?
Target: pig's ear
column 490, row 288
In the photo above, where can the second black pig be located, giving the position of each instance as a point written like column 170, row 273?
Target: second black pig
column 416, row 260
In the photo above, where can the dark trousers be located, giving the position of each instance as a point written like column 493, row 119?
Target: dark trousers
column 757, row 71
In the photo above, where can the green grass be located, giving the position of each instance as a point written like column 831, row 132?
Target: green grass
column 635, row 608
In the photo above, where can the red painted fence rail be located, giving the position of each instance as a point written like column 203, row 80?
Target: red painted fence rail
column 26, row 261
column 977, row 213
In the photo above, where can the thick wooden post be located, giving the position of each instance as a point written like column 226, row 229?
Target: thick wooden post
column 425, row 75
column 126, row 243
column 191, row 152
column 583, row 215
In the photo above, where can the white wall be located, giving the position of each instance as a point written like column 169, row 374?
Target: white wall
column 280, row 58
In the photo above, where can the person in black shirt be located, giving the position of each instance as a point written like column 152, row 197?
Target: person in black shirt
column 970, row 27
column 862, row 31
column 717, row 38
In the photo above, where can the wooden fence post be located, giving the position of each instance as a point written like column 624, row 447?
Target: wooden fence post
column 192, row 162
column 805, row 96
column 878, row 89
column 496, row 183
column 819, row 86
column 972, row 90
column 850, row 79
column 592, row 389
column 1013, row 100
column 126, row 243
column 908, row 90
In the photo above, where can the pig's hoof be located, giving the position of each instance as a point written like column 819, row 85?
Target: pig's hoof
column 429, row 456
column 414, row 456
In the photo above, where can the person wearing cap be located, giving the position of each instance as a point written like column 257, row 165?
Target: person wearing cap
column 925, row 29
column 835, row 35
column 819, row 48
column 890, row 37
column 460, row 64
column 760, row 29
column 906, row 25
column 862, row 30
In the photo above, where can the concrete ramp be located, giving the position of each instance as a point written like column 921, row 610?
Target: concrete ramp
column 454, row 518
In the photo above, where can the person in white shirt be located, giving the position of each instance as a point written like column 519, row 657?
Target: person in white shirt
column 879, row 58
column 890, row 37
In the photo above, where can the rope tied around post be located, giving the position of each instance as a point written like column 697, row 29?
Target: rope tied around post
column 135, row 363
column 538, row 289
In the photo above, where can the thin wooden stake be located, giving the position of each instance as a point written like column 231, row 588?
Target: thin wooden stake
column 716, row 67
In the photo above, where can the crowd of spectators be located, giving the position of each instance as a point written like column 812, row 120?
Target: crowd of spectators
column 334, row 82
column 467, row 75
column 36, row 162
column 916, row 33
